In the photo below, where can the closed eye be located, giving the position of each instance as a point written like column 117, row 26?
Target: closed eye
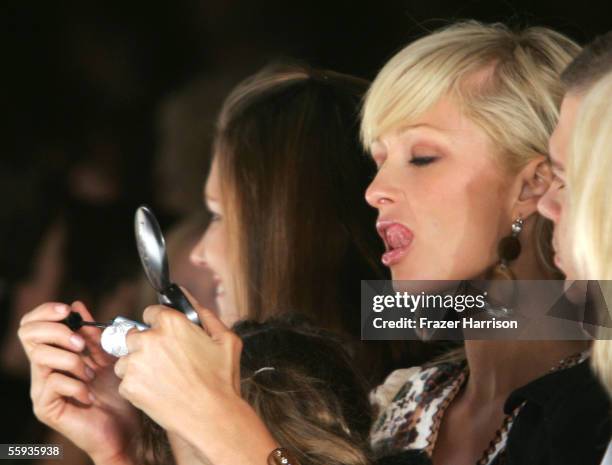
column 214, row 216
column 422, row 161
column 560, row 183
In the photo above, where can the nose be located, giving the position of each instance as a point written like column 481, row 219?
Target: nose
column 381, row 192
column 197, row 253
column 549, row 206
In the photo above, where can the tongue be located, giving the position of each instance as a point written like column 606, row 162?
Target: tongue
column 398, row 236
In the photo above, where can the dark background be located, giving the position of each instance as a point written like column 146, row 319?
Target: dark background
column 73, row 70
column 83, row 86
column 69, row 66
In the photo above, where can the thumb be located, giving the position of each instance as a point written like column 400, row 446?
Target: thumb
column 210, row 321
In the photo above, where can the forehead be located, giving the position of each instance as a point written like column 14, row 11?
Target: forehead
column 212, row 186
column 561, row 136
column 445, row 121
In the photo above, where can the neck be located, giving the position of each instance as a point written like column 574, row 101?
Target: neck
column 499, row 367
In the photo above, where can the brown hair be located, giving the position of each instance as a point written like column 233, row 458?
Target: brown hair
column 293, row 177
column 590, row 65
column 308, row 394
column 302, row 383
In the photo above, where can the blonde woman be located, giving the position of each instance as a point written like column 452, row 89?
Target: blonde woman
column 583, row 215
column 579, row 199
column 458, row 123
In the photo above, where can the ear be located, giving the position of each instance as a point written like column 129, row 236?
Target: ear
column 534, row 180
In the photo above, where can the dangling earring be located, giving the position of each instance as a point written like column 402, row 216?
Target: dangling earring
column 509, row 248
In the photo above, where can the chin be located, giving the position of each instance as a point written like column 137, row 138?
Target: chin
column 567, row 270
column 227, row 312
column 399, row 273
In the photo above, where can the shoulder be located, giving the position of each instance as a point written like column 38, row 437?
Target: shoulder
column 607, row 460
column 564, row 419
column 407, row 403
column 403, row 382
column 381, row 396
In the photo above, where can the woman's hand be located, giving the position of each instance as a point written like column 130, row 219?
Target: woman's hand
column 74, row 389
column 188, row 381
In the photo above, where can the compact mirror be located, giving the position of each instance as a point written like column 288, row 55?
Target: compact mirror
column 152, row 250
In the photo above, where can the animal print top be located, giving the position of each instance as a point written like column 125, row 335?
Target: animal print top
column 412, row 403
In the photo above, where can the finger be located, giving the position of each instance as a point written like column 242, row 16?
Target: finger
column 210, row 321
column 62, row 360
column 236, row 366
column 50, row 333
column 58, row 386
column 156, row 315
column 38, row 377
column 133, row 340
column 50, row 311
column 91, row 335
column 121, row 366
column 151, row 315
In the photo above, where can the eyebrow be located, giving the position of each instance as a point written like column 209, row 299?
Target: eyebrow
column 409, row 127
column 556, row 165
column 403, row 129
column 551, row 152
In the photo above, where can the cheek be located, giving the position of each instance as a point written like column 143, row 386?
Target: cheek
column 551, row 205
column 457, row 210
column 466, row 221
column 561, row 234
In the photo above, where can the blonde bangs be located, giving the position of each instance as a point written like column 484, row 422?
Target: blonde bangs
column 400, row 95
column 516, row 103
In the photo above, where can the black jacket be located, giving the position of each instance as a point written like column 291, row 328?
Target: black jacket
column 565, row 420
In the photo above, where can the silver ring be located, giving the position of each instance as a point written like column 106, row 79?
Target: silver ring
column 113, row 338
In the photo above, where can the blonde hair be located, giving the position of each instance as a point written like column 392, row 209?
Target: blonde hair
column 589, row 180
column 517, row 104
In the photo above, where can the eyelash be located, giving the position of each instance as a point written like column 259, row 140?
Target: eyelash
column 416, row 161
column 422, row 161
column 213, row 216
column 560, row 181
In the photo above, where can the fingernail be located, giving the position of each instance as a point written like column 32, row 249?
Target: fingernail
column 61, row 309
column 92, row 397
column 77, row 341
column 90, row 373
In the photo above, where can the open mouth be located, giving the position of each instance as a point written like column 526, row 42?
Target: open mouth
column 397, row 239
